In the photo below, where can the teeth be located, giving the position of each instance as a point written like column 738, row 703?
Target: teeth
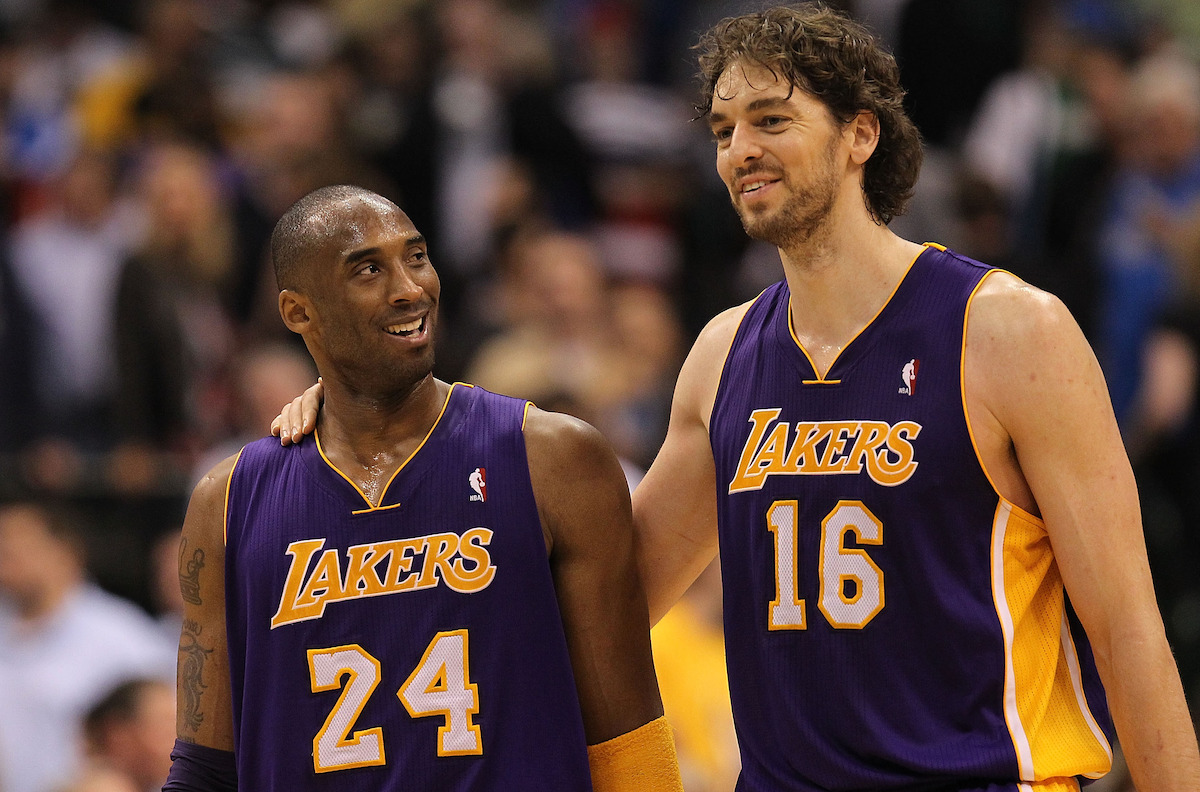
column 752, row 186
column 402, row 329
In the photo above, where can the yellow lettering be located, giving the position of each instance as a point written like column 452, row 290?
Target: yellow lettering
column 871, row 435
column 362, row 576
column 750, row 477
column 803, row 456
column 473, row 548
column 885, row 452
column 437, row 560
column 888, row 472
column 833, row 460
column 463, row 563
column 324, row 584
column 289, row 609
column 403, row 551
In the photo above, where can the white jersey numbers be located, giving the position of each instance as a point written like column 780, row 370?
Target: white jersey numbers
column 334, row 747
column 851, row 584
column 439, row 685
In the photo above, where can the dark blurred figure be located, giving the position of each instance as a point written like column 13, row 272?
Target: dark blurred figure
column 1042, row 149
column 491, row 106
column 63, row 642
column 981, row 38
column 174, row 307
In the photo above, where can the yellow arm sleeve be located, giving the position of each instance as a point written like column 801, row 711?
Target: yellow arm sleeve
column 642, row 760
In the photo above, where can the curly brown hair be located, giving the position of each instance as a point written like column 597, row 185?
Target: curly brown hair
column 836, row 59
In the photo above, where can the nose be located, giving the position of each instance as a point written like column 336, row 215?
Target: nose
column 403, row 287
column 744, row 145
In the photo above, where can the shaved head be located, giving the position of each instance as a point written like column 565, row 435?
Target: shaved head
column 311, row 222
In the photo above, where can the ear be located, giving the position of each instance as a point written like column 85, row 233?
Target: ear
column 863, row 135
column 296, row 310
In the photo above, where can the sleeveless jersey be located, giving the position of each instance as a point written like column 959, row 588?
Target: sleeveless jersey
column 890, row 621
column 412, row 644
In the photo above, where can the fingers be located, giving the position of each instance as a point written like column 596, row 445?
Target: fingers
column 299, row 416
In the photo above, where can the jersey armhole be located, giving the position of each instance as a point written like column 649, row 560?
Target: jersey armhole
column 228, row 489
column 725, row 358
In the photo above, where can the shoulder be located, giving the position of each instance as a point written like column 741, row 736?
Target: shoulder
column 215, row 481
column 564, row 442
column 700, row 375
column 576, row 476
column 1026, row 355
column 206, row 509
column 1011, row 319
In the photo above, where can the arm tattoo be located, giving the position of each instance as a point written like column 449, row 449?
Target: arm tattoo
column 191, row 671
column 189, row 573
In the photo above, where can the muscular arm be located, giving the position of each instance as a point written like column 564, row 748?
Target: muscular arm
column 1046, row 429
column 583, row 500
column 204, row 710
column 675, row 505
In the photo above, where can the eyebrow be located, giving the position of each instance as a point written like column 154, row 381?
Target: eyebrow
column 757, row 104
column 416, row 240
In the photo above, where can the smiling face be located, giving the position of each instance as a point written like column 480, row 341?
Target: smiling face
column 779, row 152
column 367, row 296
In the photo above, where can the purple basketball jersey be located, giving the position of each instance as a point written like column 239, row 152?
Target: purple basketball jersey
column 890, row 621
column 411, row 644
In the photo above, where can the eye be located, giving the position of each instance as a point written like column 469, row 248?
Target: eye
column 721, row 134
column 772, row 121
column 418, row 257
column 368, row 268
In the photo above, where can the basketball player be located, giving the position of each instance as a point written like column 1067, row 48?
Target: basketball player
column 439, row 593
column 903, row 457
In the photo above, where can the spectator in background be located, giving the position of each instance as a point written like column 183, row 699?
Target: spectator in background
column 128, row 736
column 175, row 331
column 1040, row 153
column 557, row 336
column 491, row 106
column 262, row 377
column 1155, row 193
column 82, row 239
column 64, row 642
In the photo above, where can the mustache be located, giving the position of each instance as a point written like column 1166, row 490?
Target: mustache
column 754, row 170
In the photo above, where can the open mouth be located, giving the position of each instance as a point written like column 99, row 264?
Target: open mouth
column 755, row 186
column 406, row 329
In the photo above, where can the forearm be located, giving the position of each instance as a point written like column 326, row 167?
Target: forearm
column 1155, row 730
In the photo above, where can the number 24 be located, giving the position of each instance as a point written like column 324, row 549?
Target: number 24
column 439, row 685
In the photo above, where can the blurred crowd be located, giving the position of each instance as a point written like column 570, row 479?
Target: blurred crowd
column 548, row 150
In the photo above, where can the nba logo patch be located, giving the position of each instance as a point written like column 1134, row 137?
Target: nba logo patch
column 909, row 375
column 478, row 482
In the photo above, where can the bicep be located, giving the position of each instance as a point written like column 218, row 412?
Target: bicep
column 204, row 712
column 675, row 511
column 584, row 500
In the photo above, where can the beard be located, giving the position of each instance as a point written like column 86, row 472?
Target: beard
column 803, row 213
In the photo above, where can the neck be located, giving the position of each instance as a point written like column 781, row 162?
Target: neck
column 368, row 437
column 840, row 278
